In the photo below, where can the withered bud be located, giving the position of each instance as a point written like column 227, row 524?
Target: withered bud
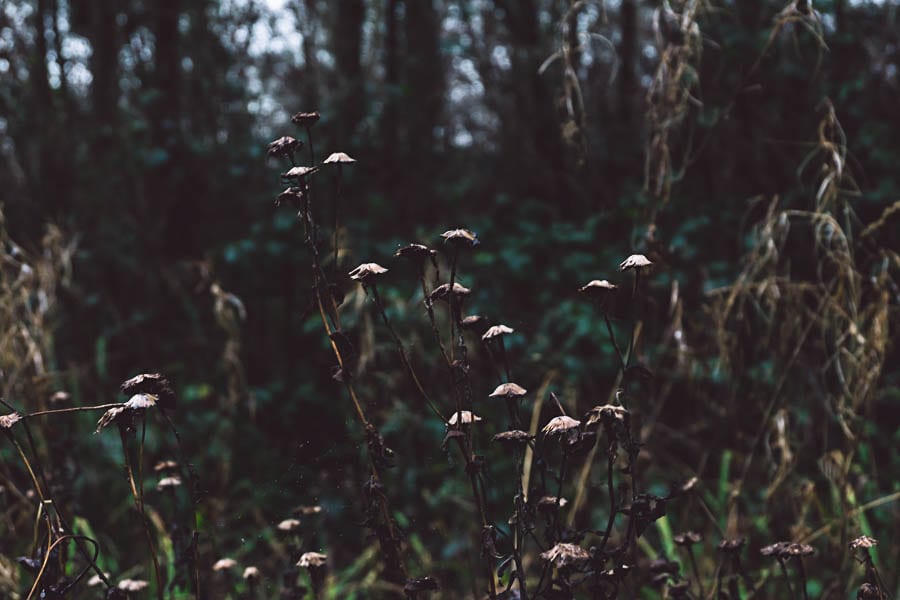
column 306, row 119
column 7, row 421
column 289, row 525
column 460, row 238
column 597, row 289
column 414, row 251
column 224, row 564
column 508, row 390
column 165, row 465
column 133, row 585
column 465, row 418
column 168, row 484
column 251, row 573
column 312, row 560
column 635, row 261
column 560, row 425
column 688, row 538
column 565, row 555
column 339, row 158
column 298, row 172
column 367, row 273
column 514, row 436
column 442, row 291
column 497, row 331
column 864, row 542
column 156, row 384
column 284, row 146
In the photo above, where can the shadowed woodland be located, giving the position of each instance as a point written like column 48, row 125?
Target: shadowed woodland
column 449, row 299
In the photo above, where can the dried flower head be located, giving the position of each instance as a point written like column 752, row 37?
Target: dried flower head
column 224, row 564
column 110, row 416
column 864, row 542
column 508, row 390
column 168, row 483
column 155, row 384
column 560, row 425
column 513, row 437
column 777, row 549
column 688, row 538
column 306, row 119
column 339, row 158
column 566, row 555
column 251, row 573
column 60, row 397
column 366, row 273
column 96, row 580
column 312, row 560
column 635, row 261
column 165, row 465
column 598, row 289
column 608, row 414
column 133, row 585
column 868, row 591
column 465, row 418
column 797, row 549
column 289, row 525
column 442, row 292
column 7, row 421
column 474, row 323
column 497, row 331
column 284, row 146
column 415, row 252
column 732, row 546
column 550, row 504
column 292, row 195
column 460, row 238
column 298, row 172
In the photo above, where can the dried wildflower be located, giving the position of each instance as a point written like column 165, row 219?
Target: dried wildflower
column 442, row 291
column 688, row 538
column 635, row 261
column 467, row 418
column 560, row 425
column 460, row 238
column 414, row 251
column 514, row 436
column 7, row 421
column 306, row 119
column 777, row 549
column 133, row 585
column 608, row 414
column 565, row 555
column 864, row 542
column 421, row 584
column 497, row 331
column 474, row 323
column 155, row 384
column 288, row 525
column 868, row 591
column 284, row 146
column 165, row 465
column 110, row 416
column 292, row 195
column 644, row 510
column 312, row 560
column 96, row 580
column 251, row 573
column 298, row 172
column 60, row 397
column 797, row 549
column 366, row 273
column 732, row 546
column 339, row 158
column 597, row 289
column 224, row 564
column 550, row 504
column 168, row 484
column 508, row 390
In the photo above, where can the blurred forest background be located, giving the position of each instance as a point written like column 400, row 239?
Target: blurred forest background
column 749, row 148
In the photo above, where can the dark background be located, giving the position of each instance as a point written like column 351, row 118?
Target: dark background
column 136, row 132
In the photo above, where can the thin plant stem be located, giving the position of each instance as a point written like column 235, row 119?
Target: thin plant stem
column 787, row 578
column 690, row 552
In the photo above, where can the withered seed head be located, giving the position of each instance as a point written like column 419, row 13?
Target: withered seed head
column 339, row 158
column 868, row 591
column 508, row 390
column 442, row 291
column 7, row 421
column 289, row 525
column 497, row 331
column 156, row 384
column 224, row 564
column 514, row 436
column 133, row 585
column 284, row 146
column 732, row 546
column 306, row 119
column 863, row 541
column 60, row 397
column 292, row 195
column 635, row 261
column 688, row 538
column 597, row 289
column 165, row 465
column 168, row 484
column 312, row 560
column 608, row 414
column 298, row 172
column 460, row 238
column 565, row 555
column 467, row 418
column 251, row 573
column 474, row 323
column 367, row 273
column 560, row 425
column 777, row 549
column 414, row 251
column 549, row 503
